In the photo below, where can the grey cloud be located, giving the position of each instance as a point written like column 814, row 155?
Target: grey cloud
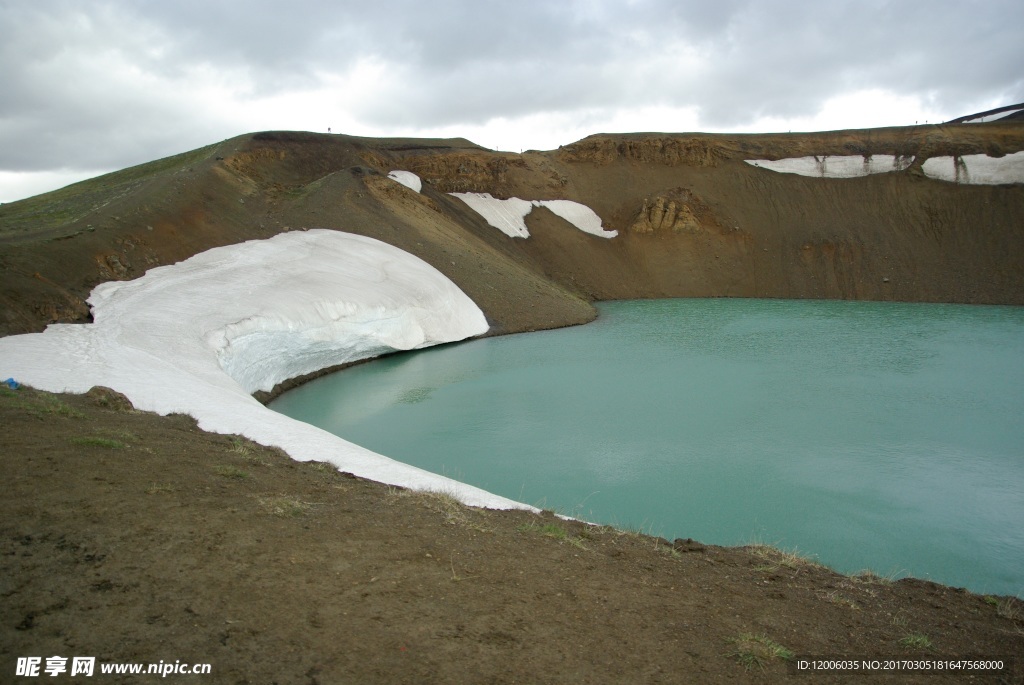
column 462, row 62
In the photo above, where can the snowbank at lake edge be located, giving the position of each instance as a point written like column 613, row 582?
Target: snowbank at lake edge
column 198, row 337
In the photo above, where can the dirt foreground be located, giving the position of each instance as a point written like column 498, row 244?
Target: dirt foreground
column 134, row 538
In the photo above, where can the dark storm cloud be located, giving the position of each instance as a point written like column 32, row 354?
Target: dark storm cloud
column 106, row 84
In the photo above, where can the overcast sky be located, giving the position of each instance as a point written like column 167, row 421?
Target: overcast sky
column 88, row 86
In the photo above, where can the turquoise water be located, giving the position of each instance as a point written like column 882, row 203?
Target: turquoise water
column 874, row 436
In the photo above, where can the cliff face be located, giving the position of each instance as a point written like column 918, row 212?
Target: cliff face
column 694, row 219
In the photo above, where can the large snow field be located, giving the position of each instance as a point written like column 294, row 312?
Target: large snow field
column 198, row 337
column 973, row 169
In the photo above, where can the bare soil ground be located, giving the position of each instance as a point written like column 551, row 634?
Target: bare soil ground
column 137, row 538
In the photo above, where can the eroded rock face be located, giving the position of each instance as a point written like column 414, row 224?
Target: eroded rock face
column 665, row 214
column 113, row 266
column 669, row 150
column 678, row 211
column 458, row 172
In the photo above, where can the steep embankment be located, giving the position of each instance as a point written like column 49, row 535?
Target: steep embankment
column 694, row 219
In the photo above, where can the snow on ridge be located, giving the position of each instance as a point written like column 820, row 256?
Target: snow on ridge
column 977, row 169
column 993, row 117
column 199, row 336
column 970, row 169
column 839, row 166
column 579, row 215
column 407, row 179
column 509, row 216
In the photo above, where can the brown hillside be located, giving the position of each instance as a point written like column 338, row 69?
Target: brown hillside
column 694, row 219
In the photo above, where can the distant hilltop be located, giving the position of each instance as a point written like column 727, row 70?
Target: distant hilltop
column 1007, row 113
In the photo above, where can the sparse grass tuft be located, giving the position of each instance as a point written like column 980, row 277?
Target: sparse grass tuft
column 324, row 470
column 868, row 577
column 455, row 576
column 441, row 502
column 637, row 530
column 239, row 446
column 916, row 641
column 839, row 599
column 754, row 650
column 159, row 488
column 668, row 550
column 285, row 506
column 248, row 450
column 229, row 471
column 97, row 441
column 125, row 435
column 552, row 530
column 39, row 404
column 1009, row 608
column 777, row 558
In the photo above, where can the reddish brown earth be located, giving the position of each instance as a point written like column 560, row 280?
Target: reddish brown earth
column 132, row 537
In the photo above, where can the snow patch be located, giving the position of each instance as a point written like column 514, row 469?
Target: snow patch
column 199, row 336
column 992, row 117
column 969, row 169
column 407, row 179
column 509, row 216
column 580, row 216
column 839, row 166
column 977, row 169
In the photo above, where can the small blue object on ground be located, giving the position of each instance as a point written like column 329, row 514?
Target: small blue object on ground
column 12, row 384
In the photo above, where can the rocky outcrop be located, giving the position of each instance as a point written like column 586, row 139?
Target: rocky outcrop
column 668, row 150
column 676, row 211
column 665, row 214
column 458, row 172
